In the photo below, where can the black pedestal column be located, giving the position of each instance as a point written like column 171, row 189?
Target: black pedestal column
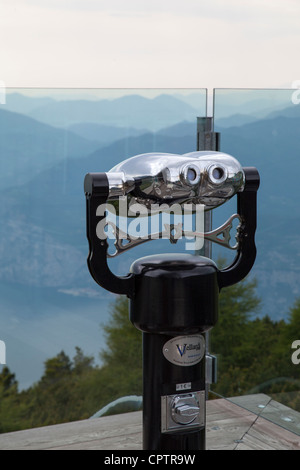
column 175, row 302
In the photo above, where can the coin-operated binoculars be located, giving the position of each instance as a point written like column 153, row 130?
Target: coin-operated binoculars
column 173, row 297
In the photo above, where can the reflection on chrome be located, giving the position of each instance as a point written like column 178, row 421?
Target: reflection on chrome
column 207, row 177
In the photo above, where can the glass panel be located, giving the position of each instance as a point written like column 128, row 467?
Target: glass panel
column 50, row 138
column 259, row 349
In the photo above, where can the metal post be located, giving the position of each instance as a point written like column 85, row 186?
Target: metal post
column 176, row 301
column 168, row 386
column 207, row 139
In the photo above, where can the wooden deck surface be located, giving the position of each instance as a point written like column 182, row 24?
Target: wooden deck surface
column 229, row 426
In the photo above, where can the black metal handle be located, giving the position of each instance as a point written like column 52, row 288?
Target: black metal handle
column 247, row 209
column 96, row 190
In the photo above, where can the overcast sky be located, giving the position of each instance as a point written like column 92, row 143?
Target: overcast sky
column 159, row 43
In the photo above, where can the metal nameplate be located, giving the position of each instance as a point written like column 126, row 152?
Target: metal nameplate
column 184, row 350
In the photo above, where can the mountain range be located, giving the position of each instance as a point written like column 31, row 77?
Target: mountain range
column 126, row 111
column 44, row 279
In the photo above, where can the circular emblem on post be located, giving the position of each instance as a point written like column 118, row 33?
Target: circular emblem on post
column 184, row 350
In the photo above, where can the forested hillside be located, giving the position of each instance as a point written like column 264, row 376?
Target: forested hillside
column 254, row 355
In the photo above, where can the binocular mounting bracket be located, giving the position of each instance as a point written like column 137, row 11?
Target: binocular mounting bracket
column 174, row 232
column 96, row 189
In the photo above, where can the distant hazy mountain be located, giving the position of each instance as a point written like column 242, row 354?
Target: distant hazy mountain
column 108, row 134
column 103, row 134
column 272, row 145
column 290, row 112
column 236, row 120
column 24, row 104
column 254, row 102
column 181, row 129
column 28, row 147
column 128, row 111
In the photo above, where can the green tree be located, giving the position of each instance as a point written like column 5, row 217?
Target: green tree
column 230, row 339
column 237, row 304
column 286, row 388
column 57, row 368
column 59, row 395
column 254, row 354
column 122, row 356
column 292, row 332
column 82, row 363
column 9, row 401
column 8, row 382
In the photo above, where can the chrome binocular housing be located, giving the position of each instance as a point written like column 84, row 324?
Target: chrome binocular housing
column 208, row 178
